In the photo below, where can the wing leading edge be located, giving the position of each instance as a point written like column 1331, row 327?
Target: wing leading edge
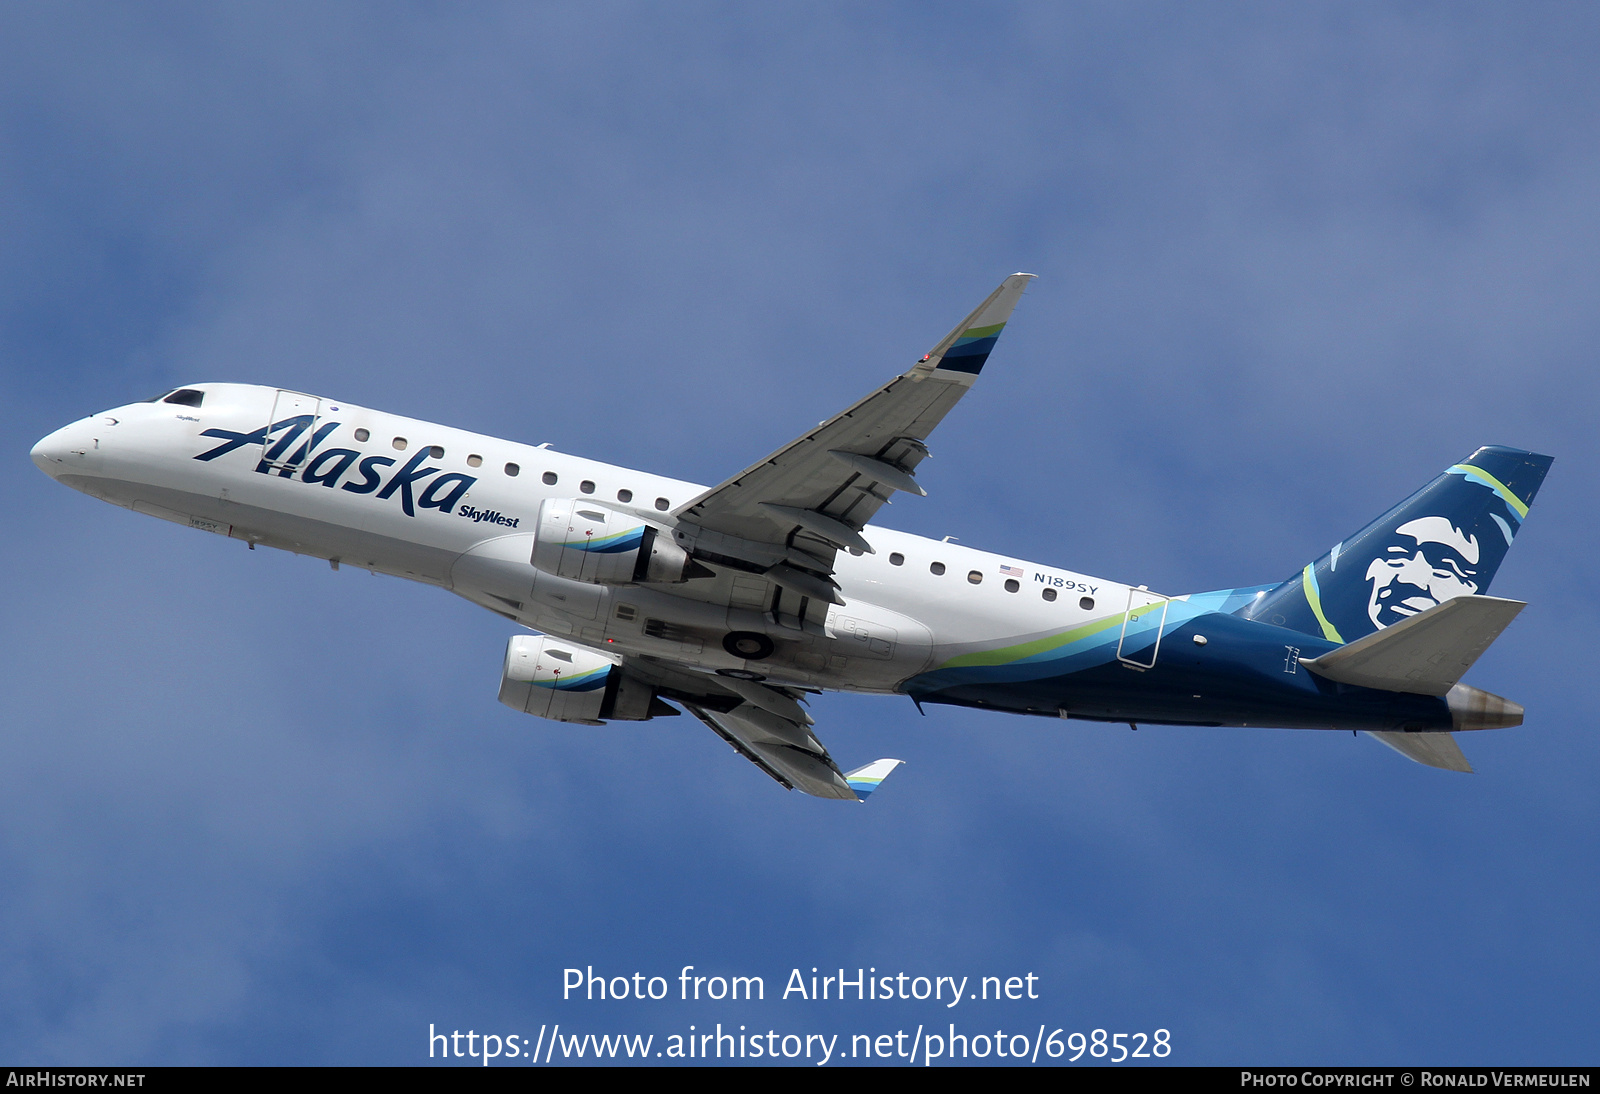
column 787, row 516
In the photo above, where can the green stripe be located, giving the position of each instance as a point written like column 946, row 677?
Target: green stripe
column 1007, row 654
column 1308, row 582
column 983, row 332
column 557, row 681
column 1497, row 486
column 597, row 541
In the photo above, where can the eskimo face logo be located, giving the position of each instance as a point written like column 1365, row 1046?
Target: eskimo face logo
column 1428, row 561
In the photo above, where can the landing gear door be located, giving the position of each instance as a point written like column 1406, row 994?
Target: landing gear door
column 294, row 419
column 1144, row 620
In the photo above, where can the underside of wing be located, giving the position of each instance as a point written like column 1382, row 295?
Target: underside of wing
column 767, row 726
column 768, row 743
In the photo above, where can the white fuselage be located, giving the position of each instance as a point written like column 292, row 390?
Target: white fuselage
column 464, row 519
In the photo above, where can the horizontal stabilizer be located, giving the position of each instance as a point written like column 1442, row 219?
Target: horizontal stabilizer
column 1425, row 654
column 864, row 780
column 1433, row 749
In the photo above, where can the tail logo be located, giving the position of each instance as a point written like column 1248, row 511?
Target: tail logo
column 1426, row 562
column 1445, row 541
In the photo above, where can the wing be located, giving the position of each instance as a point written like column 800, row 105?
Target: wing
column 770, row 743
column 787, row 516
column 767, row 726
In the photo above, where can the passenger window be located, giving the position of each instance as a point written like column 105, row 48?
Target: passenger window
column 513, row 470
column 936, row 569
column 1011, row 585
column 362, row 434
column 1049, row 594
column 186, row 396
column 551, row 478
column 1087, row 603
column 586, row 486
column 624, row 495
column 897, row 559
column 436, row 452
column 474, row 461
column 976, row 577
column 663, row 504
column 400, row 443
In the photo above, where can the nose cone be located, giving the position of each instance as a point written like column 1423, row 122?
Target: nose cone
column 71, row 450
column 51, row 452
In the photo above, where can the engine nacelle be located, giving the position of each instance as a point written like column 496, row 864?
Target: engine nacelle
column 551, row 678
column 582, row 541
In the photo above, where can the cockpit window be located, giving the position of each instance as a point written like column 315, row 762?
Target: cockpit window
column 156, row 398
column 186, row 396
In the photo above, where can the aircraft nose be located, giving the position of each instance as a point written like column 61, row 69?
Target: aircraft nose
column 70, row 449
column 51, row 452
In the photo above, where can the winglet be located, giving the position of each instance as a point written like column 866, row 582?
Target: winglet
column 864, row 780
column 966, row 348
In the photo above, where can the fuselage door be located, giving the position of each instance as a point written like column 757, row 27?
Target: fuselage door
column 1145, row 617
column 289, row 430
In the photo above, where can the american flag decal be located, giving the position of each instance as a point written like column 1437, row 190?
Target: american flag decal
column 1011, row 571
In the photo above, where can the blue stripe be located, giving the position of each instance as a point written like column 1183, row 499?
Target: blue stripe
column 587, row 682
column 616, row 546
column 968, row 356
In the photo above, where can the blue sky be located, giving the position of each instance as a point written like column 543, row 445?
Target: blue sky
column 1293, row 261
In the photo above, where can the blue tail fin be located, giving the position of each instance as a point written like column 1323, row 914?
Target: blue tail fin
column 1445, row 540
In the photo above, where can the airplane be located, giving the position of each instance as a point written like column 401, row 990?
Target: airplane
column 639, row 595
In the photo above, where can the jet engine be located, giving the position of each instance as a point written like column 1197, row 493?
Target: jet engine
column 552, row 678
column 582, row 541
